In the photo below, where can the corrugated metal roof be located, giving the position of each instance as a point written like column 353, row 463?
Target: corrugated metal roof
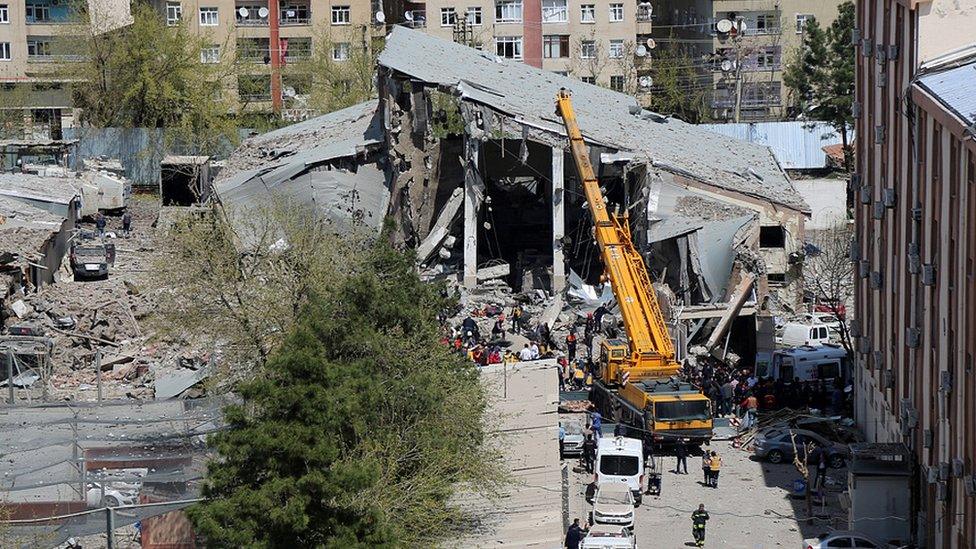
column 797, row 145
column 528, row 95
column 58, row 190
column 955, row 88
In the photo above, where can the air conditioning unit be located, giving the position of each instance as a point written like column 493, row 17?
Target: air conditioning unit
column 893, row 52
column 855, row 327
column 879, row 209
column 877, row 280
column 855, row 251
column 867, row 47
column 917, row 214
column 879, row 134
column 944, row 470
column 882, row 54
column 864, row 268
column 865, row 194
column 914, row 263
column 942, row 491
column 889, row 197
column 864, row 345
column 928, row 438
column 882, row 78
column 958, row 468
column 945, row 381
column 969, row 484
column 928, row 275
column 855, row 36
column 877, row 359
column 856, row 109
column 912, row 337
column 888, row 378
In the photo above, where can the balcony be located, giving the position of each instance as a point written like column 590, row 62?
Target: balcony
column 251, row 15
column 295, row 15
column 39, row 12
column 415, row 19
column 297, row 49
column 253, row 50
column 254, row 88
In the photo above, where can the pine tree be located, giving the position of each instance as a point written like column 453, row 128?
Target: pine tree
column 809, row 64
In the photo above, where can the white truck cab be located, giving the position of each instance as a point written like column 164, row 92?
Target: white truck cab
column 797, row 334
column 621, row 460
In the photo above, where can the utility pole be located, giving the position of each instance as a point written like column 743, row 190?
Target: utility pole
column 737, row 45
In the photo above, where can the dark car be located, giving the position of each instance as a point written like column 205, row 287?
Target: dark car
column 91, row 258
column 776, row 446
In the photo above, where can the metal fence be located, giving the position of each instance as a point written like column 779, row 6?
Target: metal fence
column 797, row 145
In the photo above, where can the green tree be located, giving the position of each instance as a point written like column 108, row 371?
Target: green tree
column 359, row 429
column 678, row 88
column 150, row 75
column 822, row 75
column 808, row 64
column 339, row 72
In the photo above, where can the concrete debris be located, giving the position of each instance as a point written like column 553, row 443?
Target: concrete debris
column 496, row 271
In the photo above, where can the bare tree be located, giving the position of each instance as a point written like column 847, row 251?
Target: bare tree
column 829, row 275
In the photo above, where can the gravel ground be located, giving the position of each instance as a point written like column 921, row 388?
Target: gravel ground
column 751, row 508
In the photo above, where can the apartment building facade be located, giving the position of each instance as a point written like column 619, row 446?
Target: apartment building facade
column 599, row 41
column 915, row 251
column 740, row 48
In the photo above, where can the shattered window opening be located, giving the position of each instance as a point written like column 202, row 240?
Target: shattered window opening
column 554, row 11
column 772, row 236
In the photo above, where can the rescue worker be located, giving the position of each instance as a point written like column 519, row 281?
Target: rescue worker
column 571, row 345
column 589, row 453
column 597, row 424
column 516, row 318
column 126, row 223
column 698, row 519
column 498, row 330
column 706, row 468
column 716, row 467
column 681, row 452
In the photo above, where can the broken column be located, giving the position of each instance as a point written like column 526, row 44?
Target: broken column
column 558, row 222
column 473, row 191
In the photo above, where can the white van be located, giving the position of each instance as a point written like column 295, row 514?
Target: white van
column 797, row 334
column 621, row 459
column 827, row 363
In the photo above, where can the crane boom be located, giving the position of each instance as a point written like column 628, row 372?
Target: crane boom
column 651, row 349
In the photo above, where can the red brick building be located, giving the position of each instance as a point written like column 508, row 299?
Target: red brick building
column 915, row 250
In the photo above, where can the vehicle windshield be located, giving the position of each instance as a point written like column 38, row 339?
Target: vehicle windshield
column 623, row 466
column 614, row 498
column 681, row 410
column 572, row 428
column 89, row 252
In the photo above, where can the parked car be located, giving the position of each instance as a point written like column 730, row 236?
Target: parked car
column 614, row 504
column 115, row 494
column 842, row 538
column 609, row 536
column 826, row 318
column 573, row 437
column 776, row 446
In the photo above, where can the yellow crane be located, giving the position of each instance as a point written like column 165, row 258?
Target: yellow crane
column 636, row 378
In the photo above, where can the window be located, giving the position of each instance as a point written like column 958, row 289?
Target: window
column 340, row 15
column 623, row 466
column 840, row 542
column 776, row 278
column 255, row 50
column 340, row 51
column 588, row 49
column 38, row 48
column 554, row 11
column 588, row 13
column 474, row 16
column 251, row 87
column 37, row 13
column 772, row 236
column 4, row 51
column 588, row 79
column 210, row 54
column 294, row 14
column 174, row 12
column 766, row 58
column 509, row 47
column 828, row 370
column 297, row 48
column 616, row 13
column 508, row 11
column 208, row 17
column 681, row 410
column 448, row 17
column 617, row 82
column 801, row 21
column 555, row 46
column 616, row 49
column 4, row 14
column 767, row 23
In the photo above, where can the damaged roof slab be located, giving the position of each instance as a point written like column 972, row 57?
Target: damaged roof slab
column 608, row 118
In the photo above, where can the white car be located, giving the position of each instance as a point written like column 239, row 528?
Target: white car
column 609, row 536
column 116, row 493
column 614, row 504
column 829, row 319
column 843, row 538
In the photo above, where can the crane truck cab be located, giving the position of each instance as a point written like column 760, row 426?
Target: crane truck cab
column 621, row 460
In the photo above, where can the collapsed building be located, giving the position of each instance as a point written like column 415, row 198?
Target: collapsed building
column 463, row 150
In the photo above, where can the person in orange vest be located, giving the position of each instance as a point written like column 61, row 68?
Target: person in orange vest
column 571, row 345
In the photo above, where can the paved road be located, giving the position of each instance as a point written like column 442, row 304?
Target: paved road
column 751, row 509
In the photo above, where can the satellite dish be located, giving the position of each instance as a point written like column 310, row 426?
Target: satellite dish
column 651, row 44
column 242, row 12
column 263, row 13
column 288, row 91
column 641, row 51
column 726, row 65
column 408, row 15
column 380, row 17
column 723, row 25
column 645, row 81
column 646, row 6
